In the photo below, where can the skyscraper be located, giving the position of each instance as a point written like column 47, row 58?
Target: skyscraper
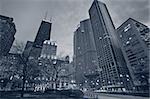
column 114, row 75
column 135, row 42
column 33, row 50
column 85, row 57
column 7, row 32
column 43, row 33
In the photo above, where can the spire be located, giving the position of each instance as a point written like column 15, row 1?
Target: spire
column 45, row 18
column 45, row 15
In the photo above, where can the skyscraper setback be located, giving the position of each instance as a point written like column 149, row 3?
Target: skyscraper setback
column 114, row 74
column 42, row 35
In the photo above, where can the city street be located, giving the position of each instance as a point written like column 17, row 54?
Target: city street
column 86, row 96
column 111, row 96
column 74, row 49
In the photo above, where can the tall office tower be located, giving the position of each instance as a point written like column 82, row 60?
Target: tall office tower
column 85, row 58
column 43, row 33
column 135, row 42
column 114, row 75
column 49, row 49
column 7, row 32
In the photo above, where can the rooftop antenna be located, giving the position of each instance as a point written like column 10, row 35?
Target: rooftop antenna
column 45, row 15
column 51, row 19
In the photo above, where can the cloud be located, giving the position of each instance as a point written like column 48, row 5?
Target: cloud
column 66, row 15
column 121, row 10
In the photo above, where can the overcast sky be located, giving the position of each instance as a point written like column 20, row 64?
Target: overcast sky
column 66, row 15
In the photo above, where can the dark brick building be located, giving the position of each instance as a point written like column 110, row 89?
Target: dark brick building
column 7, row 32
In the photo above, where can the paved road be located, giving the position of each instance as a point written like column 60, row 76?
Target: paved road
column 111, row 96
column 89, row 96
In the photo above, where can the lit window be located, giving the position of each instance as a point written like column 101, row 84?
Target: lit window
column 48, row 42
column 143, row 76
column 98, row 80
column 120, row 36
column 78, row 47
column 130, row 38
column 127, row 27
column 45, row 42
column 121, row 75
column 100, row 38
column 97, row 84
column 127, row 42
column 39, row 57
column 127, row 75
column 40, row 63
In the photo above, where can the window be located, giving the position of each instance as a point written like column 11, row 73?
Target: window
column 127, row 75
column 127, row 43
column 99, row 38
column 127, row 28
column 130, row 38
column 121, row 75
column 120, row 36
column 78, row 47
column 40, row 64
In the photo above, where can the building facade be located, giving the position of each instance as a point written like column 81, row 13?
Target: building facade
column 113, row 73
column 85, row 57
column 7, row 32
column 135, row 42
column 49, row 49
column 43, row 33
column 32, row 50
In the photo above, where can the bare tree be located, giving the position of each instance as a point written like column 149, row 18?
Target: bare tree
column 10, row 68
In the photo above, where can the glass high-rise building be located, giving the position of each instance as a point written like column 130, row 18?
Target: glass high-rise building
column 135, row 42
column 113, row 73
